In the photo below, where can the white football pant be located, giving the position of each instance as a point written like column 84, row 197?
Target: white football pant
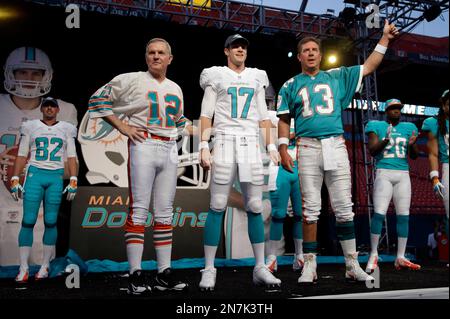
column 392, row 184
column 312, row 174
column 153, row 169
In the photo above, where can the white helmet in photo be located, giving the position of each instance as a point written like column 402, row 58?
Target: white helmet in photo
column 105, row 151
column 28, row 58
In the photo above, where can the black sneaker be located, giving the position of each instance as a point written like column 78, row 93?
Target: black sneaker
column 137, row 284
column 166, row 281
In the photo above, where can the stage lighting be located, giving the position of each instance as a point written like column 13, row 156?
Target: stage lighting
column 290, row 54
column 332, row 59
column 7, row 13
column 432, row 12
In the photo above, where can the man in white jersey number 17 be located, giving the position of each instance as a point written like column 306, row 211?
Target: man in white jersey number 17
column 49, row 142
column 235, row 97
column 154, row 106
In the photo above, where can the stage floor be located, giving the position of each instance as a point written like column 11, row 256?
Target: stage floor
column 236, row 283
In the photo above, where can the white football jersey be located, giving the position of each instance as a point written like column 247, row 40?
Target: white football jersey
column 238, row 109
column 11, row 119
column 146, row 102
column 48, row 145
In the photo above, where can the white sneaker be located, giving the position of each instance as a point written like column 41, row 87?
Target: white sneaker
column 271, row 263
column 208, row 281
column 263, row 276
column 309, row 271
column 22, row 276
column 372, row 264
column 42, row 273
column 298, row 263
column 354, row 271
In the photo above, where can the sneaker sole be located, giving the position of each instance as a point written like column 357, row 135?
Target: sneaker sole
column 134, row 293
column 307, row 283
column 160, row 288
column 267, row 285
column 406, row 268
column 354, row 280
column 206, row 289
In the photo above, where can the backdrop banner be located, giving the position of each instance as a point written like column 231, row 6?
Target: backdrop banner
column 99, row 215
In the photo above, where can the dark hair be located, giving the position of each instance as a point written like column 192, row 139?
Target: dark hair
column 306, row 40
column 442, row 126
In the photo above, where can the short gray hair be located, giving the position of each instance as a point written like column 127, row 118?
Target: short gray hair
column 159, row 40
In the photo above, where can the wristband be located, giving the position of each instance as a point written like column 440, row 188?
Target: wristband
column 14, row 178
column 283, row 140
column 381, row 49
column 73, row 178
column 434, row 174
column 271, row 147
column 203, row 144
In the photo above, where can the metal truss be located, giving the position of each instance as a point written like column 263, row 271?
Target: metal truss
column 406, row 14
column 225, row 14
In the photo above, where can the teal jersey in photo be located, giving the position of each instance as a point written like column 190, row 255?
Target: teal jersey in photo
column 395, row 154
column 316, row 102
column 431, row 125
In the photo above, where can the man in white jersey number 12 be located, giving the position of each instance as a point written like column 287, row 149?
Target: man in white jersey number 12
column 154, row 106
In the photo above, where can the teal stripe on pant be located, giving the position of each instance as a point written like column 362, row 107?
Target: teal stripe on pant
column 345, row 231
column 310, row 247
column 213, row 228
column 402, row 226
column 255, row 228
column 376, row 224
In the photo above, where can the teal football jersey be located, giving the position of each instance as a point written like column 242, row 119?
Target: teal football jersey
column 431, row 125
column 395, row 154
column 316, row 102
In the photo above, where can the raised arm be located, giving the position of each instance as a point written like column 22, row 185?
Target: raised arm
column 374, row 60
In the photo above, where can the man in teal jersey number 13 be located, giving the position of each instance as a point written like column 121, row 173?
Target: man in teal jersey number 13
column 315, row 99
